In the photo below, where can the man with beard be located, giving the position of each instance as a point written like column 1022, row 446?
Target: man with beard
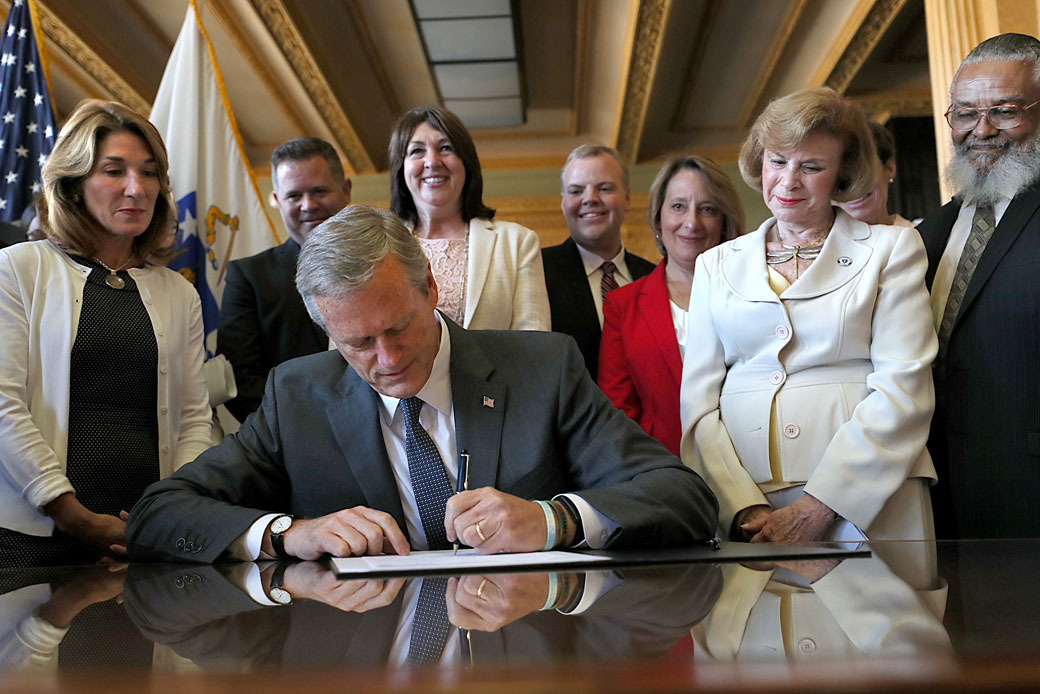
column 984, row 261
column 263, row 321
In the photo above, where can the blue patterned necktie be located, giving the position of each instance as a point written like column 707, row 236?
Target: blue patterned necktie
column 429, row 479
column 431, row 625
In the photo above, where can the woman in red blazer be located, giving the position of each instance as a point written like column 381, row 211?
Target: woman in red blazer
column 693, row 207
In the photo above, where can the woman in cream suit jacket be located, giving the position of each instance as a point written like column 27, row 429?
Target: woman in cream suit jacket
column 489, row 273
column 807, row 395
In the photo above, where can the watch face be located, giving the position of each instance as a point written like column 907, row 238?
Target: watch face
column 281, row 596
column 281, row 524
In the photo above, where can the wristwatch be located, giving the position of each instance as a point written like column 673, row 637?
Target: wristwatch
column 278, row 594
column 278, row 527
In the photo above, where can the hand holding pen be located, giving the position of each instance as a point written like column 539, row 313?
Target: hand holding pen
column 461, row 485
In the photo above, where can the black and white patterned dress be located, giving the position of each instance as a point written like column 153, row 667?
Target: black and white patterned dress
column 113, row 445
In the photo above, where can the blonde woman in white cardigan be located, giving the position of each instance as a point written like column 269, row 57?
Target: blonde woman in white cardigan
column 101, row 384
column 489, row 273
column 806, row 393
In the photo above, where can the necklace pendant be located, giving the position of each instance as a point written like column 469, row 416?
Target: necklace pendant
column 115, row 281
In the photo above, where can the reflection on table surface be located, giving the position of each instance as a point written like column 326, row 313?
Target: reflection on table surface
column 942, row 607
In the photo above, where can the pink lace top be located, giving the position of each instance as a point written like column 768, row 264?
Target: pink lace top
column 448, row 259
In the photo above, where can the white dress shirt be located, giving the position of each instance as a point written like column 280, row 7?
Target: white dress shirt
column 594, row 272
column 438, row 418
column 947, row 268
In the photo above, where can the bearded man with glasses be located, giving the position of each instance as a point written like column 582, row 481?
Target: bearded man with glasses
column 984, row 276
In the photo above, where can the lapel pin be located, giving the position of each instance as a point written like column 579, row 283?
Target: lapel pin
column 845, row 261
column 489, row 402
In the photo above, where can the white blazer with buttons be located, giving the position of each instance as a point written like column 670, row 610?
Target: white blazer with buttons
column 844, row 355
column 41, row 292
column 505, row 283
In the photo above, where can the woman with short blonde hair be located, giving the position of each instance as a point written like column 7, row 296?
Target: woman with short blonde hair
column 807, row 390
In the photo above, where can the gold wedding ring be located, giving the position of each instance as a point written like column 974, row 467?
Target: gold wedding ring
column 480, row 532
column 480, row 588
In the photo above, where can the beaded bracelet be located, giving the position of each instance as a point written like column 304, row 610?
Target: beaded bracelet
column 561, row 517
column 550, row 524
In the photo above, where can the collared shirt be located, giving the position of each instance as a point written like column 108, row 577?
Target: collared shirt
column 593, row 271
column 439, row 421
column 947, row 268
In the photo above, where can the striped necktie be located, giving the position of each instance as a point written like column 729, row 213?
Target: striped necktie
column 607, row 283
column 982, row 225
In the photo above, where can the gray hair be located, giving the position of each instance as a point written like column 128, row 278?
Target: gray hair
column 586, row 151
column 1020, row 47
column 302, row 149
column 340, row 256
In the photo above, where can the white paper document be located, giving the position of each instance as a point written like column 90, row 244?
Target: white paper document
column 446, row 561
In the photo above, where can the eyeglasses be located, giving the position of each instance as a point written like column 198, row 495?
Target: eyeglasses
column 1002, row 117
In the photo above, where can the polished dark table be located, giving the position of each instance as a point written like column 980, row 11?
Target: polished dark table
column 947, row 616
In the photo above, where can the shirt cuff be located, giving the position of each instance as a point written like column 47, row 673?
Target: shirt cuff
column 39, row 635
column 255, row 587
column 597, row 584
column 46, row 488
column 598, row 528
column 246, row 547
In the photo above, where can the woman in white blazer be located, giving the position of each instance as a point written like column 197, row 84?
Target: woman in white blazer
column 101, row 383
column 489, row 273
column 807, row 391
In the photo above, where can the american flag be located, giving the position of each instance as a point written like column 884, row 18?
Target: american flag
column 26, row 120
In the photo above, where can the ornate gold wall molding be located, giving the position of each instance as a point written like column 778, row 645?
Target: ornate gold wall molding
column 881, row 107
column 107, row 82
column 649, row 35
column 276, row 17
column 245, row 48
column 863, row 42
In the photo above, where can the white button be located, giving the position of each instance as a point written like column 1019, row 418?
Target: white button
column 163, row 410
column 782, row 332
column 159, row 333
column 791, row 431
column 165, row 449
column 776, row 378
column 162, row 369
column 807, row 645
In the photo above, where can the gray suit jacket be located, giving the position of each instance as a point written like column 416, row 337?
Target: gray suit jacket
column 315, row 447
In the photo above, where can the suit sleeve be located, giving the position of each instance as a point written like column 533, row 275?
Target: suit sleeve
column 872, row 454
column 706, row 446
column 624, row 473
column 239, row 338
column 530, row 298
column 196, row 513
column 615, row 378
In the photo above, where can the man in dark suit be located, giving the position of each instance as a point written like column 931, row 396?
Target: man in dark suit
column 983, row 250
column 363, row 445
column 263, row 321
column 595, row 198
column 206, row 614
